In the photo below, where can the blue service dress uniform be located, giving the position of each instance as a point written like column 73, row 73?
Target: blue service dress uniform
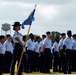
column 8, row 55
column 47, row 54
column 2, row 52
column 41, row 56
column 30, row 50
column 16, row 52
column 56, row 56
column 62, row 56
column 37, row 56
column 68, row 51
column 74, row 55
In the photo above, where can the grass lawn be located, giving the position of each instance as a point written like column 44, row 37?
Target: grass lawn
column 43, row 74
column 53, row 73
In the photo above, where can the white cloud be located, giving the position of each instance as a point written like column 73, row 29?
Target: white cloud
column 52, row 15
column 67, row 12
column 43, row 2
column 48, row 12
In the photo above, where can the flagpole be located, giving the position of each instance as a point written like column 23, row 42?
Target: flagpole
column 23, row 50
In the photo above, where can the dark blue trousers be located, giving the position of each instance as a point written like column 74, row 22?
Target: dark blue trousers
column 16, row 57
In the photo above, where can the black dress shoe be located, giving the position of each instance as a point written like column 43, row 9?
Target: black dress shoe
column 65, row 72
column 12, row 74
column 27, row 71
column 69, row 72
column 20, row 74
column 49, row 72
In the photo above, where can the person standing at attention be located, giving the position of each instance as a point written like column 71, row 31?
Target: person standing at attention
column 47, row 45
column 18, row 47
column 8, row 53
column 67, row 46
column 2, row 52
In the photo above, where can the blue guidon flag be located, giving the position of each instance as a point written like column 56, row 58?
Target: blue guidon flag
column 29, row 20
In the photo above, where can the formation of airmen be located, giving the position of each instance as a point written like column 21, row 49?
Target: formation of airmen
column 39, row 55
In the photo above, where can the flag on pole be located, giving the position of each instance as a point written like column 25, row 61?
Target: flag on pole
column 29, row 20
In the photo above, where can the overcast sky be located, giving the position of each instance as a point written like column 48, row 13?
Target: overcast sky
column 50, row 15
